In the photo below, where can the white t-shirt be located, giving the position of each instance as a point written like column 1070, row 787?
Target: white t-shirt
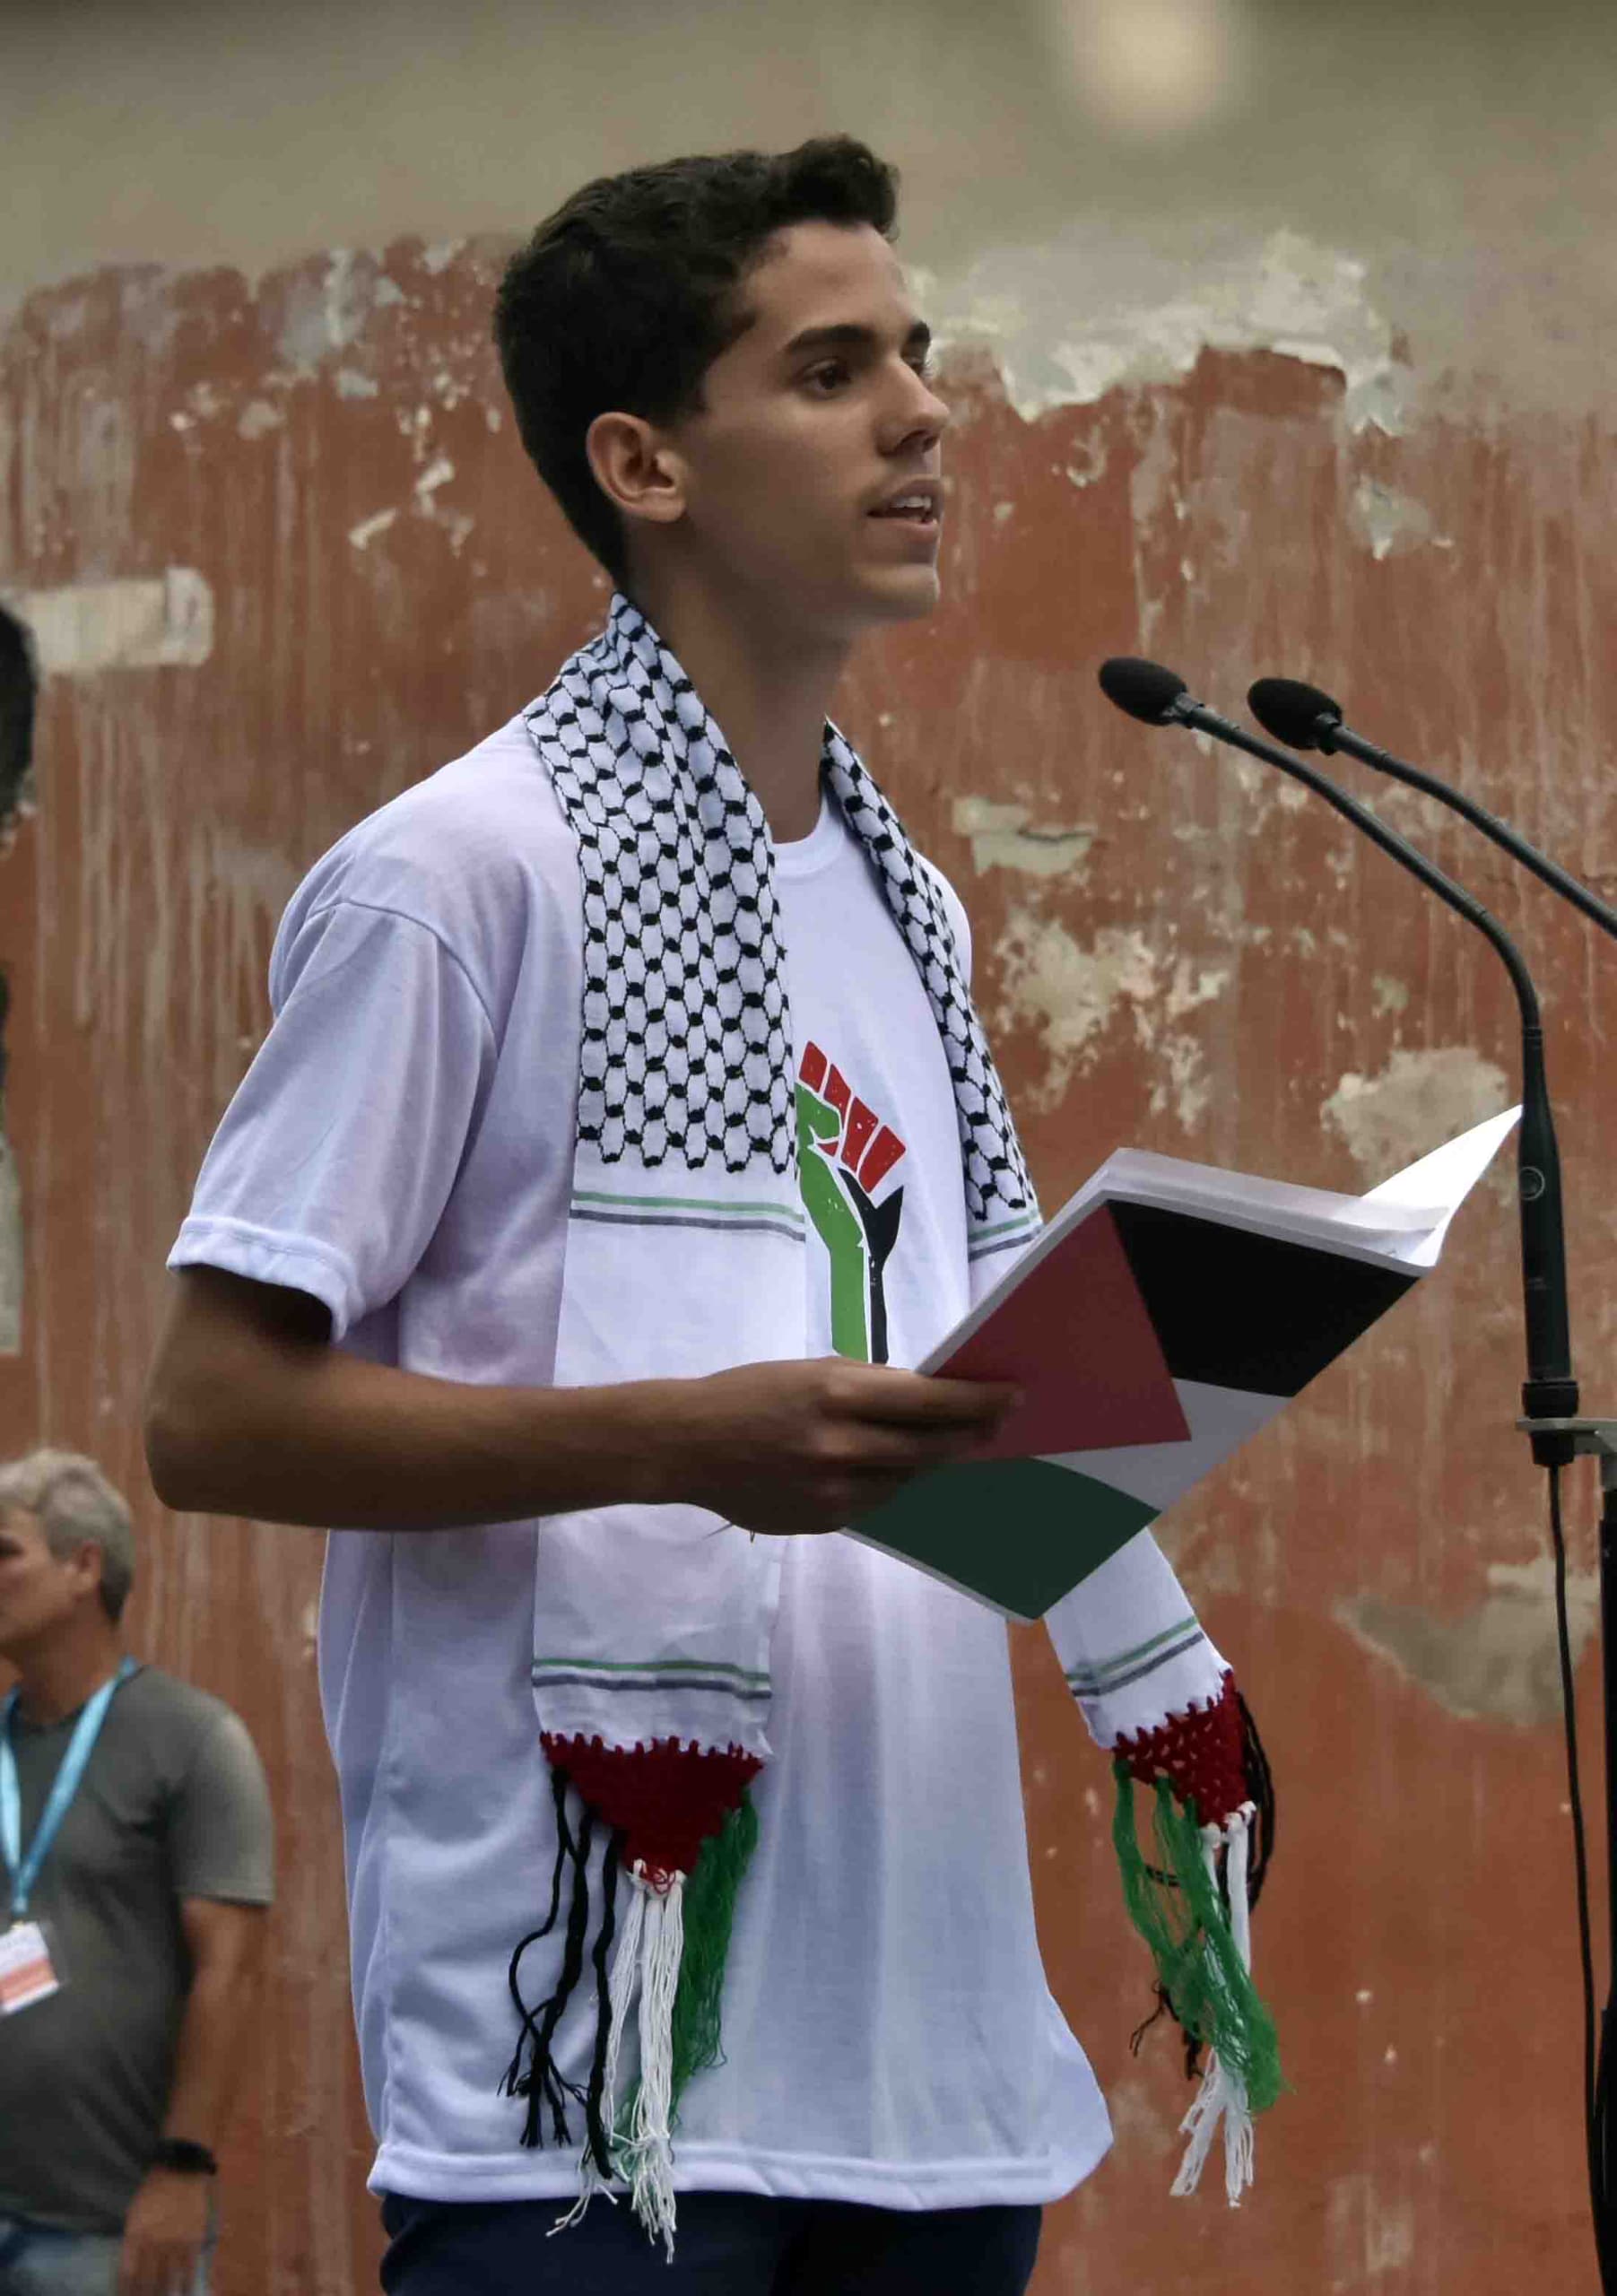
column 402, row 1149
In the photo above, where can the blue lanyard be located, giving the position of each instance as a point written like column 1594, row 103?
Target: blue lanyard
column 25, row 1871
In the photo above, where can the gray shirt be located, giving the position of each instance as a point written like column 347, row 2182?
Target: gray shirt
column 173, row 1805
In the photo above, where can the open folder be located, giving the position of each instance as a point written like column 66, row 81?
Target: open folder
column 1165, row 1314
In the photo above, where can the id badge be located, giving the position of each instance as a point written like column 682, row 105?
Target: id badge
column 26, row 1973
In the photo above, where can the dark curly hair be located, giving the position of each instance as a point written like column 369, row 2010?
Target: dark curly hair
column 624, row 298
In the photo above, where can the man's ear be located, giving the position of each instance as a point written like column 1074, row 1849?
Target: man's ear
column 638, row 469
column 88, row 1563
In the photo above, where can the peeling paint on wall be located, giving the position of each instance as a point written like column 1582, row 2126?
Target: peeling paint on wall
column 327, row 313
column 1388, row 523
column 1074, row 995
column 1499, row 1661
column 363, row 536
column 166, row 623
column 1090, row 312
column 1003, row 837
column 1417, row 1101
column 1367, row 2234
column 1068, row 993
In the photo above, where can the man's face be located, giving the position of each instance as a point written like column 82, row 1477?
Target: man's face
column 814, row 425
column 37, row 1590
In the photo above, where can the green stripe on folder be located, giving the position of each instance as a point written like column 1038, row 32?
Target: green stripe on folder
column 1019, row 1533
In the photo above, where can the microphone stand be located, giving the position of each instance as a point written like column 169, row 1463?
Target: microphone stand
column 1550, row 1392
column 1557, row 1434
column 1550, row 1395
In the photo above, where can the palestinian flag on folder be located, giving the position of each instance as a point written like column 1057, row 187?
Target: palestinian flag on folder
column 1151, row 1339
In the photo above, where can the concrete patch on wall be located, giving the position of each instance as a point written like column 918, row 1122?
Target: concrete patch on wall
column 1003, row 837
column 1182, row 1087
column 1389, row 524
column 328, row 313
column 1072, row 995
column 1418, row 1101
column 1499, row 1661
column 1090, row 311
column 163, row 624
column 363, row 536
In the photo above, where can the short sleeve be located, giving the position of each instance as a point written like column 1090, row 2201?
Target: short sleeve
column 332, row 1164
column 220, row 1827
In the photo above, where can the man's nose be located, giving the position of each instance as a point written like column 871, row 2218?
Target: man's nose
column 919, row 413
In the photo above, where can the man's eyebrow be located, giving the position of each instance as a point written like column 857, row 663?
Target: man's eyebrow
column 851, row 336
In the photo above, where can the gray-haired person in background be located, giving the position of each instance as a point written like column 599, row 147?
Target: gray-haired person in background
column 138, row 1862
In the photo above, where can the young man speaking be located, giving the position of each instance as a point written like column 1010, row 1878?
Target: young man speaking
column 623, row 1123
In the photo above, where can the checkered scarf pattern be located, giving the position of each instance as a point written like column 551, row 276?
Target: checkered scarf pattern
column 686, row 1054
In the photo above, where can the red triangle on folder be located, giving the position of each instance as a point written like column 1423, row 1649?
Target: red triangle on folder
column 1075, row 1337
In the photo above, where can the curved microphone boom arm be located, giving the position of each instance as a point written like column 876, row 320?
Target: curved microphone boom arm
column 1305, row 718
column 1158, row 696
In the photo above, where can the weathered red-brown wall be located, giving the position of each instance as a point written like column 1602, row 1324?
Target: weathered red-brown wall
column 1172, row 953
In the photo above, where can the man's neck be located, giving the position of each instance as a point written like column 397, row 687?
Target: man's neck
column 58, row 1678
column 768, row 689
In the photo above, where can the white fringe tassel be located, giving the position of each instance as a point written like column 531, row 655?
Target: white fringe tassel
column 1220, row 2101
column 648, row 2149
column 646, row 1960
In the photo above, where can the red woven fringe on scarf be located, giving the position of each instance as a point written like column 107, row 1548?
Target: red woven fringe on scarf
column 667, row 1797
column 1200, row 1752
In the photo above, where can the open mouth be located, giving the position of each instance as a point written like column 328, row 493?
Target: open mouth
column 918, row 509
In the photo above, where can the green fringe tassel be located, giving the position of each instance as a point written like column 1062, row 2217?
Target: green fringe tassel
column 1188, row 1932
column 709, row 1915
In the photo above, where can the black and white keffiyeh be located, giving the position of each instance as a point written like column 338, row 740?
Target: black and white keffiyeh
column 687, row 1050
column 685, row 1256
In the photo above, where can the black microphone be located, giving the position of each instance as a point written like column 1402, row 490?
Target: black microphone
column 1158, row 696
column 1304, row 718
column 1145, row 690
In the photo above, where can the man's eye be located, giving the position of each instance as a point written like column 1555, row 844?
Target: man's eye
column 827, row 376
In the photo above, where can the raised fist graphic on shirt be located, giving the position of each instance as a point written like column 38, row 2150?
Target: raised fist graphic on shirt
column 845, row 1152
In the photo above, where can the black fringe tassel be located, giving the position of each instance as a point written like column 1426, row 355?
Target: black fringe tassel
column 1260, row 1786
column 542, row 2082
column 597, row 2136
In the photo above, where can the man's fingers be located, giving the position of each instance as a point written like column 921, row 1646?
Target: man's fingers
column 912, row 1399
column 897, row 1447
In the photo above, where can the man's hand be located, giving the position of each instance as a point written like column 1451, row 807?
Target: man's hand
column 163, row 2233
column 808, row 1447
column 253, row 1412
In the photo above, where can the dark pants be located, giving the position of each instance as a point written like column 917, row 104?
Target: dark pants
column 727, row 2244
